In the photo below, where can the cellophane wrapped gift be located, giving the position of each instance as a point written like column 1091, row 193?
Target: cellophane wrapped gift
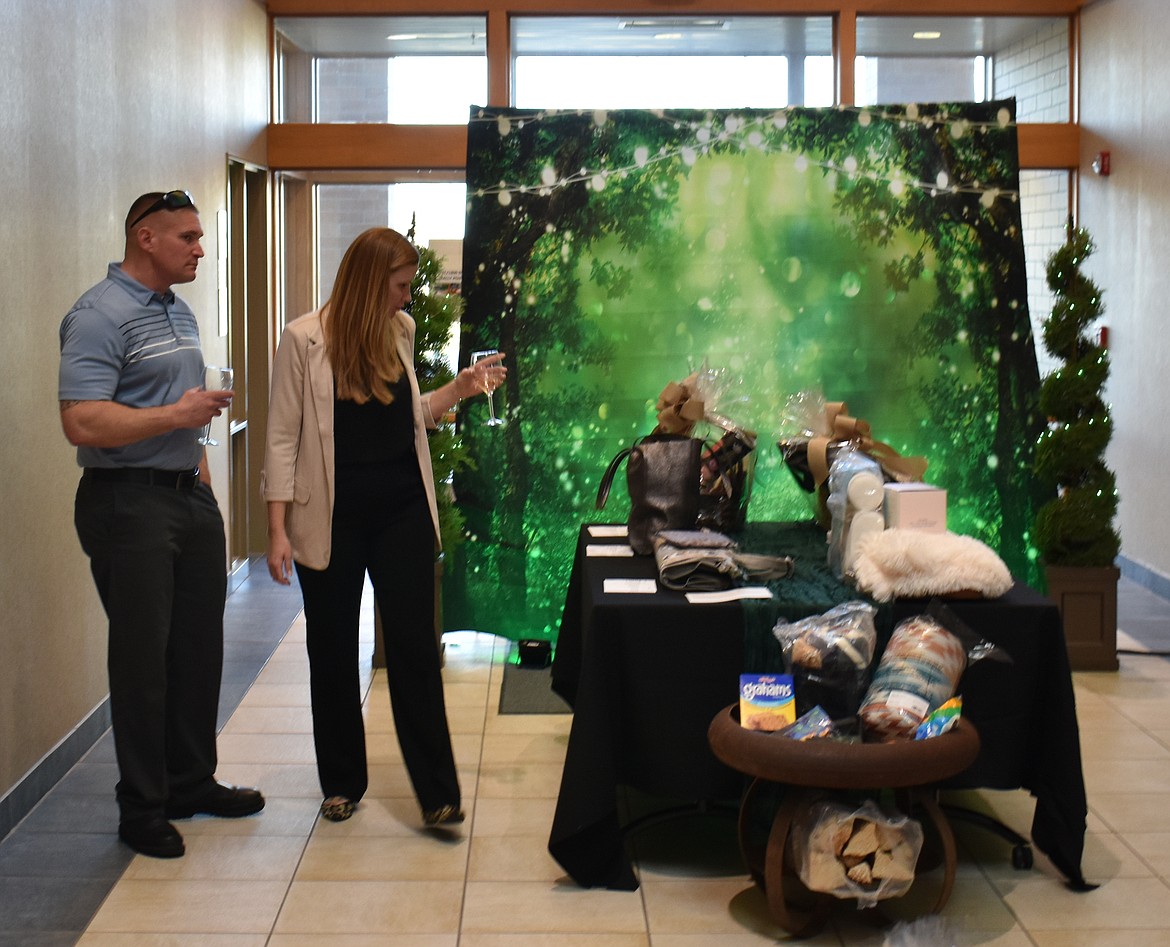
column 703, row 404
column 802, row 421
column 813, row 431
column 859, row 852
column 918, row 672
column 830, row 657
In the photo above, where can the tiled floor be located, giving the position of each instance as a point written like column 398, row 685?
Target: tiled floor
column 285, row 879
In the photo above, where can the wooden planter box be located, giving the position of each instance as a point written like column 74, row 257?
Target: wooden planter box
column 1087, row 599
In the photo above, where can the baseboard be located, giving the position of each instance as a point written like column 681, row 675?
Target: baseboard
column 1144, row 576
column 20, row 800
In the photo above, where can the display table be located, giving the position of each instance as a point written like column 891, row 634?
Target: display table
column 808, row 768
column 646, row 673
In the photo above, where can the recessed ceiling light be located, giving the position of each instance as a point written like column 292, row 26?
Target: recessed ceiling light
column 407, row 37
column 927, row 34
column 668, row 36
column 658, row 23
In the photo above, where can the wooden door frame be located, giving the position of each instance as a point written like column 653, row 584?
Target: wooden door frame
column 249, row 279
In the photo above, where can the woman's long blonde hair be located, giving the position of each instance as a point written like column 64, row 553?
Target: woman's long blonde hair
column 360, row 331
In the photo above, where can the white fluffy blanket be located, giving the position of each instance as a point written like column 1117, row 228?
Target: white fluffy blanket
column 911, row 563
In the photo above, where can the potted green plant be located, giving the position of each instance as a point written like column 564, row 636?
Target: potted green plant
column 1074, row 529
column 435, row 313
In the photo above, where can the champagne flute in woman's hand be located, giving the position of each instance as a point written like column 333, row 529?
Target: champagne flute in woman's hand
column 215, row 379
column 488, row 388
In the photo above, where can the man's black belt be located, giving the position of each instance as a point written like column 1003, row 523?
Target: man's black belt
column 173, row 479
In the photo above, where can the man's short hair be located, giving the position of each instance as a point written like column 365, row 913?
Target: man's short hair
column 154, row 201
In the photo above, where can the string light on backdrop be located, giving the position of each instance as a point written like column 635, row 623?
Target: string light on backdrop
column 762, row 133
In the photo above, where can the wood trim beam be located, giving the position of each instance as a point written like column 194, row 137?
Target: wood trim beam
column 845, row 54
column 1049, row 146
column 499, row 57
column 444, row 147
column 355, row 147
column 661, row 7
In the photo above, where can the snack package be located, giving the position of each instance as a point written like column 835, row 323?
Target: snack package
column 829, row 657
column 765, row 701
column 940, row 720
column 856, row 852
column 810, row 726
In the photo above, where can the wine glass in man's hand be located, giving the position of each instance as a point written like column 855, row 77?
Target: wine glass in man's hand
column 215, row 378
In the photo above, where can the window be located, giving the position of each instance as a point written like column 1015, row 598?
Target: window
column 671, row 62
column 965, row 59
column 406, row 70
column 345, row 210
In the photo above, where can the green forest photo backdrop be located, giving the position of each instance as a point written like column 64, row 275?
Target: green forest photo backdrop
column 872, row 254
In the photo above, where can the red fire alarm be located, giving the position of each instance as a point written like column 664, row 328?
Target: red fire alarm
column 1101, row 164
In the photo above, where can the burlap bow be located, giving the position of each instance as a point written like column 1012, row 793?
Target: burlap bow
column 678, row 408
column 846, row 428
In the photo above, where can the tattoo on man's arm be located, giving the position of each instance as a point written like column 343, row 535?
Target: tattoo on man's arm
column 68, row 404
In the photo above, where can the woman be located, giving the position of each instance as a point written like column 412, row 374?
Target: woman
column 347, row 478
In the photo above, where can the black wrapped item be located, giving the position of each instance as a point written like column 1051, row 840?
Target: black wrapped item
column 830, row 658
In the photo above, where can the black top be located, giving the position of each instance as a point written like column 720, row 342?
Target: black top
column 374, row 448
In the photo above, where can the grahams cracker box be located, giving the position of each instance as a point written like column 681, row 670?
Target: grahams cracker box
column 766, row 701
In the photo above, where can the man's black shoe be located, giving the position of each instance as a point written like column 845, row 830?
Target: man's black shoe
column 227, row 802
column 153, row 836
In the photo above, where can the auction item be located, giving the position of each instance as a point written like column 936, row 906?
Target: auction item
column 916, row 506
column 856, row 852
column 663, row 480
column 829, row 657
column 918, row 671
column 909, row 563
column 703, row 560
column 766, row 701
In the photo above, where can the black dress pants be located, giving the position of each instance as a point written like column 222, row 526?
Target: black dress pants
column 394, row 543
column 157, row 556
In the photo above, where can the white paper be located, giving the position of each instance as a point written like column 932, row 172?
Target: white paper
column 600, row 531
column 629, row 586
column 608, row 550
column 728, row 595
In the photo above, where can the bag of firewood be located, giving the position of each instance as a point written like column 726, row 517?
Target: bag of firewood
column 856, row 852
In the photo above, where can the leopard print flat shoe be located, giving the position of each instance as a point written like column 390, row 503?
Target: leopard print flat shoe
column 337, row 808
column 444, row 815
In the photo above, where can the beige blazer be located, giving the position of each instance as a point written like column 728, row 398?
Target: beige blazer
column 299, row 457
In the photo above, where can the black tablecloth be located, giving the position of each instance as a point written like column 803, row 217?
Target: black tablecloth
column 646, row 673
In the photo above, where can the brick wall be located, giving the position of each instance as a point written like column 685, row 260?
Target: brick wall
column 352, row 90
column 344, row 211
column 1044, row 208
column 1035, row 71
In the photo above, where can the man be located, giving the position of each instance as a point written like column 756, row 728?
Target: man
column 133, row 404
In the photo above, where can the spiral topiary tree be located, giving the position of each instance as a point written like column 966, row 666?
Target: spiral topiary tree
column 435, row 314
column 1075, row 527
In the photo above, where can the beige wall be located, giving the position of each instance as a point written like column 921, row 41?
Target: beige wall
column 100, row 100
column 1125, row 109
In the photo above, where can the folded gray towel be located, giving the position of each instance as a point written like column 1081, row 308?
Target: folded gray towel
column 707, row 561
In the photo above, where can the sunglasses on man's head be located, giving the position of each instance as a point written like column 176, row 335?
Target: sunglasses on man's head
column 171, row 200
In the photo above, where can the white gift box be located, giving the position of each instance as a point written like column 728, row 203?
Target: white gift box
column 915, row 506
